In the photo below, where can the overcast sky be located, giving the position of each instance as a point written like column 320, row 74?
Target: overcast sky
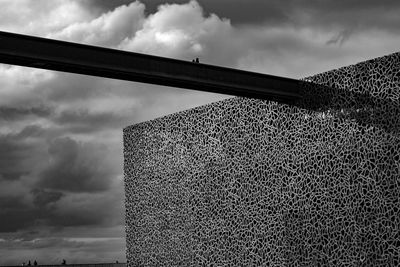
column 61, row 177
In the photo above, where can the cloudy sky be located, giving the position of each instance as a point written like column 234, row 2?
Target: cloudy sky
column 61, row 177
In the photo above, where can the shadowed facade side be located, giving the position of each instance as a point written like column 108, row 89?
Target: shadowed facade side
column 247, row 182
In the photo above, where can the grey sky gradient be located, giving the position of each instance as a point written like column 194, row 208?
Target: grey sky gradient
column 61, row 174
column 324, row 12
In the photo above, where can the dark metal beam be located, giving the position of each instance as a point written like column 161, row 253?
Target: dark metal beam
column 97, row 61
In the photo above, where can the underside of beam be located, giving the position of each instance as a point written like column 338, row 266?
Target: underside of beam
column 63, row 56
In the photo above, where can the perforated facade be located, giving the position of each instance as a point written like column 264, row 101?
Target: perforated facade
column 247, row 182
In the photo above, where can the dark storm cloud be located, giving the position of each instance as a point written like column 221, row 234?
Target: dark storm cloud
column 33, row 130
column 80, row 217
column 42, row 197
column 340, row 38
column 106, row 5
column 73, row 167
column 83, row 121
column 349, row 13
column 14, row 214
column 18, row 153
column 15, row 113
column 76, row 167
column 18, row 214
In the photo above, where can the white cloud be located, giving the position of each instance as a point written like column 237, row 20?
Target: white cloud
column 182, row 31
column 107, row 30
column 40, row 17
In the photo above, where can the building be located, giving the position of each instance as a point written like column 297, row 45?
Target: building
column 249, row 182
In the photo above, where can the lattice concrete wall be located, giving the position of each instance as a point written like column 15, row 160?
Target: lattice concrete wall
column 245, row 182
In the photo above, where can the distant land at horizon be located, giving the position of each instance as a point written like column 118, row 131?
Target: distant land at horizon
column 115, row 264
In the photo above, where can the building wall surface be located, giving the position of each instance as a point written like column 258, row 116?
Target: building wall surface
column 247, row 182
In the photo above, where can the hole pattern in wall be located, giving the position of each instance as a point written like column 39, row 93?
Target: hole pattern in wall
column 245, row 182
